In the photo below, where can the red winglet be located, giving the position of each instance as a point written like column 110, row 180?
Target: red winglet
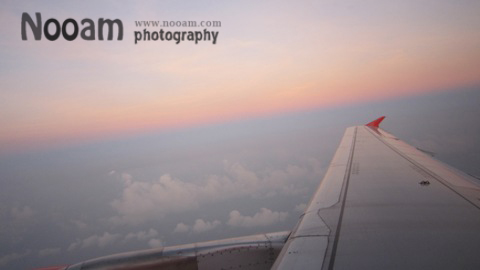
column 376, row 123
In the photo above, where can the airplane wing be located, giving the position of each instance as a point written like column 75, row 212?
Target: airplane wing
column 385, row 205
column 382, row 204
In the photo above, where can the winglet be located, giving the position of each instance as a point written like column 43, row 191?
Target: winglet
column 376, row 123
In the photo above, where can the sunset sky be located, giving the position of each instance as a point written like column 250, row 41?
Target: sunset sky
column 270, row 57
column 112, row 146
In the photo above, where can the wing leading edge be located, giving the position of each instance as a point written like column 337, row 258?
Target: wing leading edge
column 385, row 205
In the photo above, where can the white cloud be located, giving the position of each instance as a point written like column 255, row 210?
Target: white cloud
column 199, row 226
column 203, row 226
column 141, row 235
column 79, row 224
column 94, row 241
column 155, row 243
column 107, row 239
column 48, row 252
column 127, row 177
column 300, row 207
column 263, row 218
column 181, row 228
column 100, row 241
column 24, row 213
column 143, row 201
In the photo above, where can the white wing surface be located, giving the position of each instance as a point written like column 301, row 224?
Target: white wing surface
column 383, row 204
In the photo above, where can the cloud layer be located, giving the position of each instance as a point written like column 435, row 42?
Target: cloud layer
column 203, row 226
column 199, row 226
column 142, row 201
column 265, row 217
column 107, row 238
column 94, row 241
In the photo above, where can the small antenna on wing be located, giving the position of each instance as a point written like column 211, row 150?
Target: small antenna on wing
column 376, row 123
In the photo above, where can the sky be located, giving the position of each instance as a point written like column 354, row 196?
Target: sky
column 111, row 146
